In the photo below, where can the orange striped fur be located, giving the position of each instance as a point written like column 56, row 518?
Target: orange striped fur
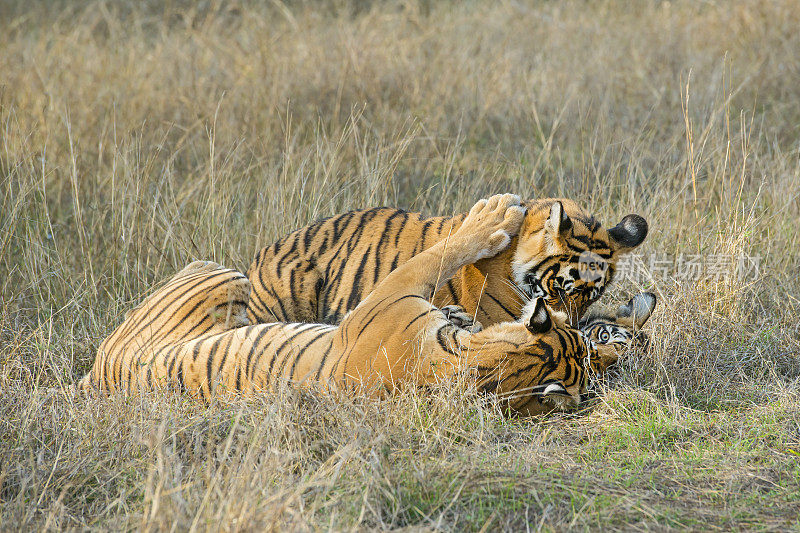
column 192, row 335
column 321, row 272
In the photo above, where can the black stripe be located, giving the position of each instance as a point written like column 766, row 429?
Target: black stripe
column 284, row 315
column 337, row 232
column 400, row 229
column 379, row 250
column 296, row 351
column 181, row 383
column 264, row 330
column 309, row 233
column 503, row 307
column 375, row 312
column 322, row 361
column 426, row 227
column 441, row 334
column 225, row 352
column 275, row 355
column 303, row 350
column 452, row 291
column 280, row 260
column 422, row 314
column 355, row 292
column 210, row 358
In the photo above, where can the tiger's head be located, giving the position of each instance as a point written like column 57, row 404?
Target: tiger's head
column 539, row 362
column 551, row 362
column 566, row 257
column 615, row 332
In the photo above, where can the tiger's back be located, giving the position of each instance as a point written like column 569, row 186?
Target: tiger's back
column 320, row 272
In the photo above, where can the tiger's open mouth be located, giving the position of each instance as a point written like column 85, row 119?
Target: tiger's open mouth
column 532, row 288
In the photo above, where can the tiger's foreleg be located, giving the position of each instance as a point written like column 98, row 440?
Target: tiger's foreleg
column 486, row 231
column 381, row 339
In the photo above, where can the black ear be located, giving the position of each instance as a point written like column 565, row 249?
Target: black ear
column 638, row 309
column 629, row 233
column 540, row 321
column 558, row 223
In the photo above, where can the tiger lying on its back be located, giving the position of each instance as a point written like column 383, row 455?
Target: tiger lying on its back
column 320, row 272
column 192, row 335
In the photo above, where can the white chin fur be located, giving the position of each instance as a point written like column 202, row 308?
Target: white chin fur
column 554, row 387
column 519, row 270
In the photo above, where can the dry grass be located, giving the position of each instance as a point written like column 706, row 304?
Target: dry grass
column 135, row 137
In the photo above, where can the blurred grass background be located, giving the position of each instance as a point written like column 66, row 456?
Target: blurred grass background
column 138, row 136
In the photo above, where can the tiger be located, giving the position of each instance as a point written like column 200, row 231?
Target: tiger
column 620, row 331
column 322, row 271
column 194, row 335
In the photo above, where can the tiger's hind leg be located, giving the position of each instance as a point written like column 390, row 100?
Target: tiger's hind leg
column 202, row 299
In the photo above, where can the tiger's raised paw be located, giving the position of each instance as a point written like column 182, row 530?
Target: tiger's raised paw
column 458, row 316
column 491, row 223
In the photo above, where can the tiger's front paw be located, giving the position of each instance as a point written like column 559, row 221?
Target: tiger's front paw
column 492, row 223
column 461, row 319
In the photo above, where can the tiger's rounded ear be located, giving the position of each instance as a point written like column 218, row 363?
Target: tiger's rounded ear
column 638, row 309
column 540, row 321
column 558, row 223
column 629, row 233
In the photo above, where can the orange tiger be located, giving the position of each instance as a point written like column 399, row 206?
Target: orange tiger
column 192, row 334
column 322, row 271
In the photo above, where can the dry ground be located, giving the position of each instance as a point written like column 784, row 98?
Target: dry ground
column 138, row 136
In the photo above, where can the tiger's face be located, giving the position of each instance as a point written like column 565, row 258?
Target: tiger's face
column 567, row 258
column 572, row 355
column 615, row 333
column 549, row 370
